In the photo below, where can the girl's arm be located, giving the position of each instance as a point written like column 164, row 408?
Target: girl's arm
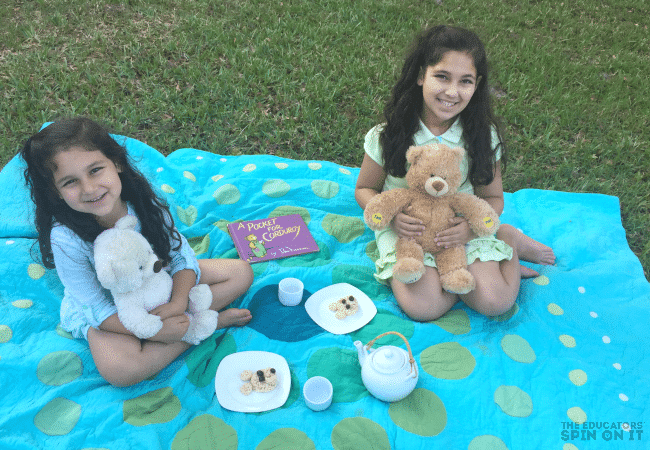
column 185, row 273
column 493, row 192
column 173, row 330
column 370, row 183
column 183, row 281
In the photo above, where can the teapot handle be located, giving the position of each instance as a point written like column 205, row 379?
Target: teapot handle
column 408, row 347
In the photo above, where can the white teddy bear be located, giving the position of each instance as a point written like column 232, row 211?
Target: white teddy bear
column 127, row 266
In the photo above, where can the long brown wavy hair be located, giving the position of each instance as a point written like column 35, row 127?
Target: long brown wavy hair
column 38, row 153
column 402, row 112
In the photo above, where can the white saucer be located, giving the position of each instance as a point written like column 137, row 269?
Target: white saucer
column 227, row 381
column 317, row 307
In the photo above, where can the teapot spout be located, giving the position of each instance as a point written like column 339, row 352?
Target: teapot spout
column 363, row 353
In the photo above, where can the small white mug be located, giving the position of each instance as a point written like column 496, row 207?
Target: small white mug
column 290, row 291
column 318, row 393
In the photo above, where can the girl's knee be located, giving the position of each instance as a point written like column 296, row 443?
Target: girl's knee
column 507, row 233
column 493, row 304
column 245, row 271
column 241, row 273
column 118, row 374
column 115, row 359
column 425, row 309
column 120, row 378
column 423, row 315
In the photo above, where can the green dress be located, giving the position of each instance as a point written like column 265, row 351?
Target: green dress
column 487, row 248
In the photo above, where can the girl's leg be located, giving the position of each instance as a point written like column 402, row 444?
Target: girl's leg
column 124, row 360
column 533, row 251
column 497, row 283
column 527, row 272
column 228, row 280
column 423, row 300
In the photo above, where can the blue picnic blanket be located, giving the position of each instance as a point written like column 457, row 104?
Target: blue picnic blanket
column 566, row 368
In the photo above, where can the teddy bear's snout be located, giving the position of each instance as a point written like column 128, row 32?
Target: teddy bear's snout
column 436, row 186
column 152, row 265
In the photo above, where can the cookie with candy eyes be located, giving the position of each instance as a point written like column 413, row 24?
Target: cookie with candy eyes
column 344, row 307
column 260, row 381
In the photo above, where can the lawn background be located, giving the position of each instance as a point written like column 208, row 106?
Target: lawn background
column 307, row 79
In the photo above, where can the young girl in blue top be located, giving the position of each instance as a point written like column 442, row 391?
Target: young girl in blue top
column 82, row 182
column 443, row 95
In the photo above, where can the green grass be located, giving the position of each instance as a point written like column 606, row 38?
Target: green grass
column 306, row 80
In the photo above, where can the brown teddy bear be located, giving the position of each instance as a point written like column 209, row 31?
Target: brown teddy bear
column 433, row 178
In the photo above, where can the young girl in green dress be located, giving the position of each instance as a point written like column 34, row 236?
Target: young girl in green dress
column 443, row 96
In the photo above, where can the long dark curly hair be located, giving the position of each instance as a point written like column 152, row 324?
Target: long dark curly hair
column 38, row 153
column 405, row 105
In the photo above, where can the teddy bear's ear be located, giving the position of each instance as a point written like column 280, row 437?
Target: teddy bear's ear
column 413, row 153
column 459, row 153
column 127, row 222
column 106, row 275
column 119, row 276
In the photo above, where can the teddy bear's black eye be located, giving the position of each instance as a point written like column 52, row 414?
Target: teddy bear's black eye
column 140, row 267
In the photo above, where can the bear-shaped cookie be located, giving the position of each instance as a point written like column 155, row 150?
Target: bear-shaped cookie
column 260, row 381
column 343, row 307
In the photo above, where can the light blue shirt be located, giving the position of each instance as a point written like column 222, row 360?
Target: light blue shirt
column 86, row 303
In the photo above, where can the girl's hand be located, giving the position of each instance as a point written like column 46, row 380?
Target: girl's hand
column 168, row 310
column 407, row 226
column 459, row 234
column 173, row 330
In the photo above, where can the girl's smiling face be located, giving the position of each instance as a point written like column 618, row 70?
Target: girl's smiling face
column 89, row 182
column 447, row 88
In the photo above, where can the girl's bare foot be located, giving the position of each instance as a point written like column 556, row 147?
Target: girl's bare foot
column 533, row 251
column 527, row 272
column 233, row 317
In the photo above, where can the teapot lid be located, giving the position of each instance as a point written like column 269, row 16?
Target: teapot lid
column 388, row 359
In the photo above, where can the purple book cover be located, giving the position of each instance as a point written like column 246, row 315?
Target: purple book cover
column 272, row 238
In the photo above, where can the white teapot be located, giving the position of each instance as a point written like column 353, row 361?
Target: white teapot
column 389, row 373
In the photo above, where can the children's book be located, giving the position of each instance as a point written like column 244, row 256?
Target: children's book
column 272, row 238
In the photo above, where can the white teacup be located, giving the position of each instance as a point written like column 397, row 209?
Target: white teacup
column 318, row 393
column 290, row 291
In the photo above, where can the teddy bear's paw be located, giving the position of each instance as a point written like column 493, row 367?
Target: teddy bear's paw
column 208, row 319
column 146, row 327
column 200, row 298
column 191, row 339
column 458, row 282
column 202, row 325
column 486, row 226
column 408, row 270
column 375, row 220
